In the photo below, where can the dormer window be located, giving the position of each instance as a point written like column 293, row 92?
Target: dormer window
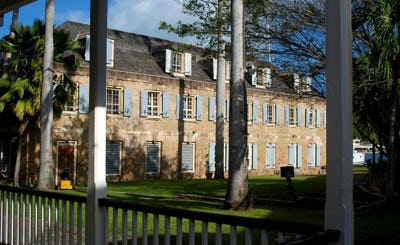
column 227, row 70
column 259, row 77
column 177, row 63
column 110, row 51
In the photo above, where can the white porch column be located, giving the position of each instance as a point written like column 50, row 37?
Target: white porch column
column 97, row 187
column 339, row 213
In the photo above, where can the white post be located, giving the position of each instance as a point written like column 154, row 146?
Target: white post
column 339, row 211
column 97, row 187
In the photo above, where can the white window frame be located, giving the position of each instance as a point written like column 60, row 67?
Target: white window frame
column 154, row 103
column 178, row 62
column 271, row 113
column 189, row 107
column 249, row 156
column 113, row 105
column 310, row 117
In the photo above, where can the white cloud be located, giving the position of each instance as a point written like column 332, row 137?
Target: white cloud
column 144, row 17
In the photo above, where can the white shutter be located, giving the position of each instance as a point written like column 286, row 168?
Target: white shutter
column 188, row 64
column 168, row 60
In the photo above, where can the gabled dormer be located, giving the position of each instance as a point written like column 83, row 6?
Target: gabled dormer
column 178, row 64
column 259, row 77
column 227, row 70
column 301, row 84
column 110, row 51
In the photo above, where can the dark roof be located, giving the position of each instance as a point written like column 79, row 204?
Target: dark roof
column 144, row 54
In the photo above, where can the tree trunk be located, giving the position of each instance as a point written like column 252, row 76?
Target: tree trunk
column 219, row 124
column 46, row 174
column 17, row 167
column 238, row 194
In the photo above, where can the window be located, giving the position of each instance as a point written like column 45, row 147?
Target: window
column 259, row 77
column 113, row 101
column 212, row 112
column 270, row 155
column 154, row 104
column 314, row 155
column 153, row 157
column 309, row 117
column 252, row 112
column 295, row 155
column 188, row 157
column 227, row 70
column 293, row 116
column 110, row 51
column 177, row 63
column 113, row 158
column 268, row 113
column 211, row 157
column 189, row 107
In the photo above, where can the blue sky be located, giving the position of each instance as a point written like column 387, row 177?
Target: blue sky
column 137, row 16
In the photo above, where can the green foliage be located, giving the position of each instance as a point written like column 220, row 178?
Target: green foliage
column 20, row 86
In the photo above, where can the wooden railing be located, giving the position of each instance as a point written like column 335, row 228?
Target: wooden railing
column 36, row 217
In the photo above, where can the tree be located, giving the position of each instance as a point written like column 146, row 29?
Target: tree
column 238, row 193
column 377, row 80
column 46, row 173
column 211, row 28
column 20, row 89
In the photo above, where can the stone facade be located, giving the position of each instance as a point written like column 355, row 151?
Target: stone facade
column 285, row 127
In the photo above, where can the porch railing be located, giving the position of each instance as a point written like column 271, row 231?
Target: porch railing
column 36, row 217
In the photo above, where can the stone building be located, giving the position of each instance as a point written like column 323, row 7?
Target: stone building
column 161, row 114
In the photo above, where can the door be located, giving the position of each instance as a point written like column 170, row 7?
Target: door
column 66, row 155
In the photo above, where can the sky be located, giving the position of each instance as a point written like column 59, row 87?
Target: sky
column 136, row 16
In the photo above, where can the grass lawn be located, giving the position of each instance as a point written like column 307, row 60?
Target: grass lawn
column 378, row 226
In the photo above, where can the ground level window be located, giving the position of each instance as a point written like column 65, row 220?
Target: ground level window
column 153, row 151
column 295, row 155
column 188, row 157
column 270, row 155
column 113, row 158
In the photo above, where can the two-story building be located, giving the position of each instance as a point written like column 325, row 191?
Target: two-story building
column 161, row 111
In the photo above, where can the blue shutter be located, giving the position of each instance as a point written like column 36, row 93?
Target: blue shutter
column 87, row 48
column 165, row 104
column 277, row 115
column 211, row 157
column 311, row 154
column 110, row 46
column 269, row 163
column 286, row 115
column 188, row 64
column 227, row 110
column 255, row 112
column 83, row 103
column 264, row 113
column 317, row 155
column 254, row 157
column 187, row 157
column 292, row 156
column 179, row 106
column 299, row 156
column 143, row 103
column 299, row 116
column 211, row 109
column 317, row 119
column 227, row 157
column 324, row 119
column 168, row 60
column 199, row 108
column 127, row 102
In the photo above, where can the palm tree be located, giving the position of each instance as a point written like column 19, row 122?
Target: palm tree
column 20, row 89
column 377, row 81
